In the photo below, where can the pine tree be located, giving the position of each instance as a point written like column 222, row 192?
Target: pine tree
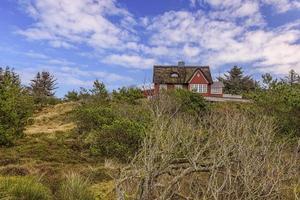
column 268, row 81
column 99, row 89
column 236, row 83
column 16, row 106
column 292, row 78
column 43, row 86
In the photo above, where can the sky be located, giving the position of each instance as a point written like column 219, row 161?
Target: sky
column 119, row 41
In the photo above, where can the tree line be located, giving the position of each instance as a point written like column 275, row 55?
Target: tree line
column 236, row 82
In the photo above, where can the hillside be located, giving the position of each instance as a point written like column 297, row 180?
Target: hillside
column 49, row 151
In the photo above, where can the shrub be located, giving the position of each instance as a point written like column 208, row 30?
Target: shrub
column 225, row 155
column 72, row 96
column 121, row 139
column 16, row 107
column 129, row 95
column 190, row 102
column 90, row 117
column 282, row 101
column 25, row 188
column 180, row 101
column 75, row 188
column 112, row 128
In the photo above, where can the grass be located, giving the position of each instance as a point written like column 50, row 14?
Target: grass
column 25, row 188
column 75, row 188
column 51, row 153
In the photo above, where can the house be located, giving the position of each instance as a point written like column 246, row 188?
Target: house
column 194, row 78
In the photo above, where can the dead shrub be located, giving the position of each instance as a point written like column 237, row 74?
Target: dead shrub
column 223, row 156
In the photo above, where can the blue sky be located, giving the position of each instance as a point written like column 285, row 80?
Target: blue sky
column 118, row 41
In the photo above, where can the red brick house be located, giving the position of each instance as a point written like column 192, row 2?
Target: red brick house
column 195, row 78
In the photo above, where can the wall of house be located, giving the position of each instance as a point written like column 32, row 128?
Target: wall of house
column 169, row 87
column 156, row 88
column 216, row 95
column 199, row 78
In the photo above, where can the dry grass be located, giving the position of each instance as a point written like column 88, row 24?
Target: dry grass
column 52, row 120
column 50, row 150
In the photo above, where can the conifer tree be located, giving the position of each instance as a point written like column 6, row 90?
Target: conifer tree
column 43, row 86
column 292, row 78
column 236, row 82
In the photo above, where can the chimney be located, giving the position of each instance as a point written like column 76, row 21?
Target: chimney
column 181, row 64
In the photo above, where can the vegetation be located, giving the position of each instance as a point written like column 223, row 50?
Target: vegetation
column 25, row 188
column 236, row 82
column 75, row 188
column 42, row 88
column 226, row 156
column 16, row 107
column 112, row 127
column 129, row 95
column 72, row 96
column 281, row 101
column 174, row 146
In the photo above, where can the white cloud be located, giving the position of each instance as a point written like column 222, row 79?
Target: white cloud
column 283, row 5
column 63, row 22
column 130, row 61
column 230, row 31
column 201, row 39
column 279, row 5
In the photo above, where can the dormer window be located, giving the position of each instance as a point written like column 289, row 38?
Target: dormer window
column 174, row 75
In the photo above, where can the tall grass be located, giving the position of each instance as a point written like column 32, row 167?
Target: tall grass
column 24, row 188
column 75, row 188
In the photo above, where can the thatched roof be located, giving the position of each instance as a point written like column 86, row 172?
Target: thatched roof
column 167, row 74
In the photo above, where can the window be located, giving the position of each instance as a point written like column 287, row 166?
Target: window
column 216, row 90
column 177, row 86
column 199, row 88
column 163, row 87
column 174, row 75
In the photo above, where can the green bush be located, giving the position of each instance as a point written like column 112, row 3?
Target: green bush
column 75, row 188
column 190, row 102
column 121, row 139
column 282, row 102
column 112, row 127
column 16, row 106
column 24, row 188
column 72, row 96
column 90, row 117
column 129, row 95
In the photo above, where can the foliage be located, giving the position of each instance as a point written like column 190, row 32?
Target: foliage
column 16, row 107
column 268, row 81
column 99, row 90
column 121, row 139
column 42, row 87
column 281, row 101
column 189, row 102
column 236, row 83
column 129, row 95
column 112, row 127
column 25, row 188
column 93, row 117
column 72, row 96
column 75, row 188
column 292, row 78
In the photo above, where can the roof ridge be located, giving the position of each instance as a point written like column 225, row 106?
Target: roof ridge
column 186, row 66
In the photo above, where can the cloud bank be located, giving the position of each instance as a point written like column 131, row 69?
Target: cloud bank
column 213, row 32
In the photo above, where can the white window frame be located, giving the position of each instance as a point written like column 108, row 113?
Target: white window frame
column 216, row 90
column 163, row 86
column 199, row 88
column 174, row 75
column 178, row 86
